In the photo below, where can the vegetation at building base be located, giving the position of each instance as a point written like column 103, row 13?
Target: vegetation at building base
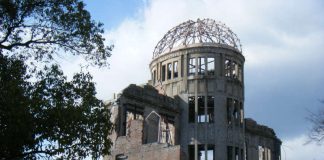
column 42, row 114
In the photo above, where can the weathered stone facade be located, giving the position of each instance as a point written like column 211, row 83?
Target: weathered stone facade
column 261, row 142
column 146, row 124
column 193, row 107
column 132, row 147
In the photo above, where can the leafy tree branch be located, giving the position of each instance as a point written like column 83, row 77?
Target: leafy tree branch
column 61, row 24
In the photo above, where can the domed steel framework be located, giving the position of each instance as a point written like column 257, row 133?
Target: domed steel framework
column 201, row 31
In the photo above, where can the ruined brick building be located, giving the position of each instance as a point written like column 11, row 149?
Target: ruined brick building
column 193, row 107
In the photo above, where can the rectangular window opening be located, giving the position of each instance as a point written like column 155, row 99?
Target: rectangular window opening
column 229, row 153
column 175, row 69
column 210, row 109
column 169, row 70
column 191, row 152
column 269, row 154
column 210, row 152
column 211, row 66
column 236, row 112
column 191, row 110
column 201, row 152
column 201, row 109
column 234, row 70
column 154, row 77
column 132, row 113
column 236, row 153
column 261, row 153
column 227, row 68
column 242, row 155
column 240, row 73
column 192, row 66
column 163, row 72
column 201, row 65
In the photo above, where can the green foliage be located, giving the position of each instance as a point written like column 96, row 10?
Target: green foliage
column 15, row 120
column 42, row 115
column 50, row 117
column 41, row 28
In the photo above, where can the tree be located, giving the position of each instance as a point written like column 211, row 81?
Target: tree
column 316, row 133
column 15, row 120
column 51, row 116
column 41, row 113
column 43, row 28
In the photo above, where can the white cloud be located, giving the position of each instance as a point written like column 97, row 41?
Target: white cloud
column 261, row 25
column 282, row 43
column 267, row 21
column 296, row 149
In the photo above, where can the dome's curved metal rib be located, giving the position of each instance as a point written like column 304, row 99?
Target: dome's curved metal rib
column 200, row 31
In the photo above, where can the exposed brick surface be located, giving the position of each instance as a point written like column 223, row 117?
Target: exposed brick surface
column 132, row 147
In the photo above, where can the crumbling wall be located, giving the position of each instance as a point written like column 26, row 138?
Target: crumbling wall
column 261, row 142
column 131, row 147
column 145, row 124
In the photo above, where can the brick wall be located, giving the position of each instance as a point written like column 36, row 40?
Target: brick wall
column 132, row 147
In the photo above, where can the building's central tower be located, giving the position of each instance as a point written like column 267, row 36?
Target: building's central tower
column 201, row 63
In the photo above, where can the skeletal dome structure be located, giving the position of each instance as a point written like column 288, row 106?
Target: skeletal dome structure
column 200, row 31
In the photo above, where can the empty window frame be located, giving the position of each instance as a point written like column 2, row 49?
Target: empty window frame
column 201, row 65
column 192, row 66
column 211, row 66
column 191, row 152
column 201, row 152
column 234, row 70
column 240, row 73
column 264, row 153
column 163, row 72
column 131, row 113
column 210, row 152
column 261, row 153
column 229, row 153
column 227, row 68
column 242, row 155
column 154, row 77
column 268, row 154
column 201, row 109
column 206, row 152
column 229, row 108
column 191, row 109
column 210, row 109
column 236, row 112
column 134, row 113
column 169, row 73
column 175, row 69
column 237, row 153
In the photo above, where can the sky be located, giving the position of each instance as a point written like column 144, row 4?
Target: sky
column 282, row 41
